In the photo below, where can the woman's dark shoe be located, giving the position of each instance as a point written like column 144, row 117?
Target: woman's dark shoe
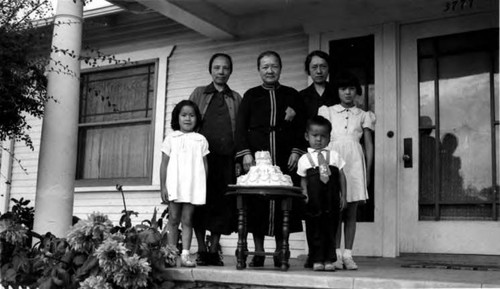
column 277, row 260
column 308, row 264
column 215, row 259
column 257, row 261
column 202, row 259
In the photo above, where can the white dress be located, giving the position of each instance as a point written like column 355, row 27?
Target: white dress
column 186, row 177
column 348, row 124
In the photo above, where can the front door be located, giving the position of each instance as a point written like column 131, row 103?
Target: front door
column 356, row 52
column 449, row 128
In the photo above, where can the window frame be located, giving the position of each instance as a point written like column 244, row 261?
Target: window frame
column 126, row 180
column 437, row 203
column 162, row 55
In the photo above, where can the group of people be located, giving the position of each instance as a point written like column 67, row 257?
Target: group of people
column 313, row 135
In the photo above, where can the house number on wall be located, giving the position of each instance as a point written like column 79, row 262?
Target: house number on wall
column 458, row 5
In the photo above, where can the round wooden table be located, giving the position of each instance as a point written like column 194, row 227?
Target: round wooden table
column 281, row 194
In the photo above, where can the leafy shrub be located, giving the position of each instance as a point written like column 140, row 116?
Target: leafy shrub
column 94, row 254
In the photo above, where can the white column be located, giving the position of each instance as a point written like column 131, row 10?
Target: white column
column 58, row 148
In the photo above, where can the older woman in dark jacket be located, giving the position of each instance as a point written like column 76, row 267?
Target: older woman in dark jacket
column 270, row 118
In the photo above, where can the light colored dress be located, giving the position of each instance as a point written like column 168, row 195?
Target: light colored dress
column 348, row 125
column 186, row 177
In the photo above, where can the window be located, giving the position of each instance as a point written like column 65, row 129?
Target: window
column 458, row 142
column 357, row 55
column 115, row 138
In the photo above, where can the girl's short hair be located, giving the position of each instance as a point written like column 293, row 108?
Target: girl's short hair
column 347, row 79
column 220, row 55
column 269, row 53
column 318, row 53
column 174, row 122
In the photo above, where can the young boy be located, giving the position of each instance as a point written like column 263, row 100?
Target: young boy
column 324, row 185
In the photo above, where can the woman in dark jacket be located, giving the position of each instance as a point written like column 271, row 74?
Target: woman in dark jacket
column 270, row 118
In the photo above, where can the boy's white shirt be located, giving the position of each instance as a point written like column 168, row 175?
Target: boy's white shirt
column 304, row 164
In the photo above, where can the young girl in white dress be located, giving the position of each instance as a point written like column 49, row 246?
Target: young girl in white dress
column 350, row 124
column 183, row 174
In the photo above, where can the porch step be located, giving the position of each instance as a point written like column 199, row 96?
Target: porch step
column 372, row 273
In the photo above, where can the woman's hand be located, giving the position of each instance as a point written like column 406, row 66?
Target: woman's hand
column 164, row 196
column 237, row 169
column 248, row 161
column 306, row 199
column 292, row 161
column 289, row 114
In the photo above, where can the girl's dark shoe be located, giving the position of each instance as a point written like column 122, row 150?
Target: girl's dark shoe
column 257, row 261
column 202, row 259
column 215, row 259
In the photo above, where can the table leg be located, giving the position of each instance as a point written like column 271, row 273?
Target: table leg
column 285, row 251
column 241, row 248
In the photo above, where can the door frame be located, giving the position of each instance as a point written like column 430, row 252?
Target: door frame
column 380, row 237
column 429, row 236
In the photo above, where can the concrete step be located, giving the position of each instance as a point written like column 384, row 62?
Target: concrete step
column 372, row 273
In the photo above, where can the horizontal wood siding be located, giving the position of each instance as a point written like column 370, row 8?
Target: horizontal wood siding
column 25, row 164
column 188, row 68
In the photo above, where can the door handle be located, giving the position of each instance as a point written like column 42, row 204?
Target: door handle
column 408, row 153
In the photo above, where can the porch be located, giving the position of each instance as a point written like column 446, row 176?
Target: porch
column 409, row 271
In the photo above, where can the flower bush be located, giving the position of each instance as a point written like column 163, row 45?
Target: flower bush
column 94, row 255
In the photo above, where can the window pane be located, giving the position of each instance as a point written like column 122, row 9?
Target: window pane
column 456, row 150
column 466, row 212
column 115, row 151
column 495, row 84
column 427, row 165
column 497, row 144
column 465, row 126
column 117, row 95
column 427, row 91
column 115, row 134
column 357, row 55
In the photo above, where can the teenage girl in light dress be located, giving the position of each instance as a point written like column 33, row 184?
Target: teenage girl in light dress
column 350, row 125
column 183, row 174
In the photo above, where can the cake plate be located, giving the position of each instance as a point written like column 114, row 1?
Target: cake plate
column 281, row 194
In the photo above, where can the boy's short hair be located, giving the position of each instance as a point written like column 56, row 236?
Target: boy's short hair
column 319, row 120
column 174, row 122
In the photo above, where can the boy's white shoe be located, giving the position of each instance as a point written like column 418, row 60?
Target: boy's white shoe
column 339, row 265
column 349, row 263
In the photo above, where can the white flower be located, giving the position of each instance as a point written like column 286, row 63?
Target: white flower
column 111, row 255
column 12, row 232
column 134, row 274
column 95, row 282
column 86, row 233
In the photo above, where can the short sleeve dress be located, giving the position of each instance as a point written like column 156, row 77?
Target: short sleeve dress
column 186, row 177
column 347, row 130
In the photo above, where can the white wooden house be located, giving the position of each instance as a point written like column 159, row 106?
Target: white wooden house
column 429, row 71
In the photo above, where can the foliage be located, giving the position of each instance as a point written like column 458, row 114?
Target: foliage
column 22, row 213
column 94, row 254
column 25, row 37
column 22, row 76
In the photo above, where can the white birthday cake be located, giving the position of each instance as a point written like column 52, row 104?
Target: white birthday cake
column 264, row 173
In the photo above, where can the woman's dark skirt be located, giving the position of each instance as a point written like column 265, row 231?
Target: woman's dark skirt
column 218, row 215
